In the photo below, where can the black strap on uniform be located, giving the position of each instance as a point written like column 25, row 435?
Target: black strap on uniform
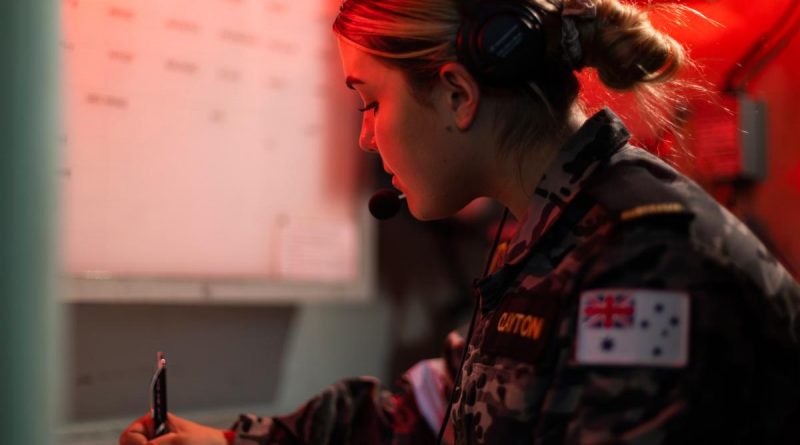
column 469, row 332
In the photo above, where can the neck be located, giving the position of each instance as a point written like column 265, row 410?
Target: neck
column 519, row 176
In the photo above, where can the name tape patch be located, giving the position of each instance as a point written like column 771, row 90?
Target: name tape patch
column 520, row 326
column 523, row 325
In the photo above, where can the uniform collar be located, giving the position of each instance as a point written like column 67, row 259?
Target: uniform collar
column 599, row 137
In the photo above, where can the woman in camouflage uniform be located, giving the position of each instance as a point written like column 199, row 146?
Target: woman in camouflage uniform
column 628, row 308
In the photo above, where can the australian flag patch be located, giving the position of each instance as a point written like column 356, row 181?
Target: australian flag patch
column 638, row 327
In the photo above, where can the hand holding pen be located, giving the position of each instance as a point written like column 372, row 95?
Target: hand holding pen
column 181, row 432
column 158, row 427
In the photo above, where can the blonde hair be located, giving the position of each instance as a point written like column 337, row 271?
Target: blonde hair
column 629, row 54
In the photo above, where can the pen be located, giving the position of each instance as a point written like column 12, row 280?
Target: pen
column 158, row 396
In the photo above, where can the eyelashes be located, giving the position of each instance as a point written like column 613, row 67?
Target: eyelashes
column 370, row 106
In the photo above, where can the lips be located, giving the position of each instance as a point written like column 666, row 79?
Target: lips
column 395, row 181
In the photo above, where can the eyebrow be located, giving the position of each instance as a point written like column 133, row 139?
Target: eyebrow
column 350, row 81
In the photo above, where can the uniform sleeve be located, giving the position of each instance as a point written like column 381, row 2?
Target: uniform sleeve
column 720, row 395
column 361, row 411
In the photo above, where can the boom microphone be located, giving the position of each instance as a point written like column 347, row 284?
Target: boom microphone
column 385, row 203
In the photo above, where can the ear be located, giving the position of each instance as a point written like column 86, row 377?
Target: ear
column 461, row 93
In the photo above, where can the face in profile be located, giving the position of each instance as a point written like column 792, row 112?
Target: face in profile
column 418, row 143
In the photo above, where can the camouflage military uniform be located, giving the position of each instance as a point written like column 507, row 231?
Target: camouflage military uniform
column 606, row 215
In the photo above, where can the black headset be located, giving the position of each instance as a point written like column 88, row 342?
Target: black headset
column 501, row 41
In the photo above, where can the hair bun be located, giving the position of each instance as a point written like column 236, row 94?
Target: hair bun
column 626, row 50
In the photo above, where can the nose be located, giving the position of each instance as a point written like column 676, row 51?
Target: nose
column 366, row 140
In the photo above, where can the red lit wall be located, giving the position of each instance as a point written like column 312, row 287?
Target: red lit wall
column 776, row 201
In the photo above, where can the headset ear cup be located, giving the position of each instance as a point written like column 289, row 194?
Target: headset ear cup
column 500, row 42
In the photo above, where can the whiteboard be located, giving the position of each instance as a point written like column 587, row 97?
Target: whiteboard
column 209, row 154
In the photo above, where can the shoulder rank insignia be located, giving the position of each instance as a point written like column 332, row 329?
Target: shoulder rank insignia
column 633, row 327
column 652, row 209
